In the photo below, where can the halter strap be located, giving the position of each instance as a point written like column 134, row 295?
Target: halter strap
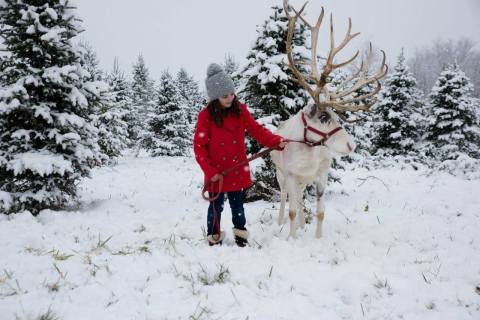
column 325, row 135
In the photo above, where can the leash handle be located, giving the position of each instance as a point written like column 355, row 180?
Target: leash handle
column 220, row 187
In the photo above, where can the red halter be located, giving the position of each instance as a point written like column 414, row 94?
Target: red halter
column 325, row 136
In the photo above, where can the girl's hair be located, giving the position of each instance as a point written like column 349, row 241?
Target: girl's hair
column 218, row 113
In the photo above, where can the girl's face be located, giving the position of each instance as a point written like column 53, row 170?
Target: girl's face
column 226, row 100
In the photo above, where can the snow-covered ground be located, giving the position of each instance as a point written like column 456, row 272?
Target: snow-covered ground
column 398, row 244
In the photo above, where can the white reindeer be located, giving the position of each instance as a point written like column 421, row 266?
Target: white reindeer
column 315, row 132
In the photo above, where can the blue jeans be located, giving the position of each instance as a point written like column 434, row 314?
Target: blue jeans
column 235, row 198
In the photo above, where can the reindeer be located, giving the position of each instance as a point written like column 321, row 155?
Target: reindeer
column 317, row 128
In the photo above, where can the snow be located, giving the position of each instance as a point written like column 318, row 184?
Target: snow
column 43, row 163
column 82, row 152
column 54, row 34
column 29, row 14
column 43, row 111
column 96, row 87
column 273, row 72
column 77, row 98
column 398, row 244
column 73, row 119
column 6, row 199
column 56, row 74
column 22, row 134
column 7, row 107
column 31, row 29
column 396, row 135
column 52, row 13
column 13, row 90
column 31, row 80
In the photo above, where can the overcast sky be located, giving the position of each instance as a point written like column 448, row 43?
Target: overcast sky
column 193, row 33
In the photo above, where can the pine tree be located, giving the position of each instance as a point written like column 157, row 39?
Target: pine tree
column 191, row 99
column 121, row 92
column 105, row 113
column 454, row 126
column 90, row 61
column 112, row 115
column 169, row 131
column 429, row 61
column 268, row 88
column 231, row 67
column 397, row 116
column 143, row 97
column 46, row 140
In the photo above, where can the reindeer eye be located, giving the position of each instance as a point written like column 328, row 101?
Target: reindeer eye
column 324, row 116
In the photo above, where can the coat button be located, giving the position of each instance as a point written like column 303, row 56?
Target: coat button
column 222, row 144
column 224, row 158
column 234, row 141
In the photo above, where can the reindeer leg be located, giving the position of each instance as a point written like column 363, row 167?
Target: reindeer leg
column 320, row 186
column 301, row 211
column 283, row 196
column 320, row 212
column 294, row 197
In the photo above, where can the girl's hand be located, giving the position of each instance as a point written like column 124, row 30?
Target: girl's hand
column 283, row 143
column 215, row 178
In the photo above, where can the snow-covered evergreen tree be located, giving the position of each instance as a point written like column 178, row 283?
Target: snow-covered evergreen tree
column 231, row 67
column 90, row 61
column 269, row 86
column 143, row 100
column 191, row 98
column 454, row 125
column 111, row 115
column 169, row 130
column 429, row 61
column 105, row 113
column 47, row 142
column 120, row 88
column 397, row 116
column 269, row 89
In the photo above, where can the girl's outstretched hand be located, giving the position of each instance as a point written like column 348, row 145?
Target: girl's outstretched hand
column 283, row 143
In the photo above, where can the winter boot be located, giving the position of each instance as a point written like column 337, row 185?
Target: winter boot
column 241, row 237
column 214, row 239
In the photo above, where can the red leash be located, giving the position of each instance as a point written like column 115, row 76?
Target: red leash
column 216, row 223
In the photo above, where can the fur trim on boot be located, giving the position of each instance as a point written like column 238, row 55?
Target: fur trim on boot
column 214, row 239
column 241, row 237
column 241, row 233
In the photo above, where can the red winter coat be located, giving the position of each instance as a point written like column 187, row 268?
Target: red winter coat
column 220, row 148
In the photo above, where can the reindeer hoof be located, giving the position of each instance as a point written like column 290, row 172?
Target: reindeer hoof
column 292, row 236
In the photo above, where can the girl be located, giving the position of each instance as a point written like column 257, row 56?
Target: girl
column 219, row 144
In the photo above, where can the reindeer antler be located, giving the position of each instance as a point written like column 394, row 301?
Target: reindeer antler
column 334, row 99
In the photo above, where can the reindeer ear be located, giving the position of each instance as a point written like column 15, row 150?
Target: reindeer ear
column 312, row 110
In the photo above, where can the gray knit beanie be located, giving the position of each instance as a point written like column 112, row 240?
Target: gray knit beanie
column 218, row 82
